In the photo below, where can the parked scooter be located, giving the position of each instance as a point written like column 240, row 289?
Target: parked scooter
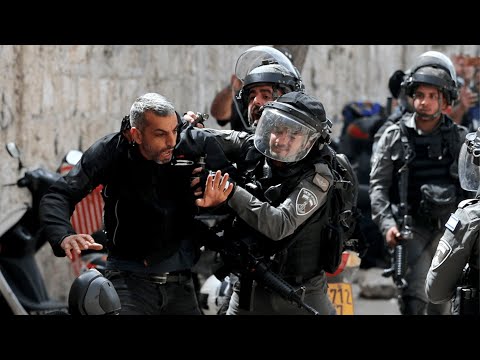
column 22, row 287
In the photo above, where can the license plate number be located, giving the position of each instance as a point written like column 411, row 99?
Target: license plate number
column 342, row 297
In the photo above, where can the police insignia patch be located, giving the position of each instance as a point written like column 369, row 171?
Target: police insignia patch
column 443, row 250
column 306, row 202
column 321, row 182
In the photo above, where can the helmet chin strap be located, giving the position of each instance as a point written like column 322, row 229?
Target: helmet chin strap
column 429, row 117
column 237, row 108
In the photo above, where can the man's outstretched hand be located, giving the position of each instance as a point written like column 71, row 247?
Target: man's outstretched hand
column 217, row 190
column 77, row 243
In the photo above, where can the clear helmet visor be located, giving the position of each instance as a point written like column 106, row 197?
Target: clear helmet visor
column 468, row 172
column 280, row 136
column 258, row 55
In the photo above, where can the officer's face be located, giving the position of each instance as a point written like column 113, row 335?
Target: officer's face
column 428, row 100
column 258, row 96
column 157, row 140
column 285, row 142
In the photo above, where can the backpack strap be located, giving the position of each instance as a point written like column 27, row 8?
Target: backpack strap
column 409, row 152
column 403, row 172
column 451, row 136
column 342, row 184
column 340, row 162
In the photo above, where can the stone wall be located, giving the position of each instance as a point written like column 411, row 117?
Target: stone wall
column 56, row 98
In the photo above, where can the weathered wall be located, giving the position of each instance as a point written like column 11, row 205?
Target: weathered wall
column 56, row 98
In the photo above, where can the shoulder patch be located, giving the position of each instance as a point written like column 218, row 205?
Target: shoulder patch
column 452, row 223
column 443, row 251
column 321, row 182
column 306, row 202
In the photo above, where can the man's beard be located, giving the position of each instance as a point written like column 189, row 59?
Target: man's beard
column 158, row 155
column 254, row 116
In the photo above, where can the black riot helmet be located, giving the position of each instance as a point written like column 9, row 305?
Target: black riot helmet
column 469, row 162
column 92, row 294
column 435, row 69
column 265, row 64
column 289, row 127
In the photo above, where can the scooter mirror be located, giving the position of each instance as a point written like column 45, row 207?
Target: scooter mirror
column 73, row 157
column 13, row 150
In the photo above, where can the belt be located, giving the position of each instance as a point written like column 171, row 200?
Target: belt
column 168, row 277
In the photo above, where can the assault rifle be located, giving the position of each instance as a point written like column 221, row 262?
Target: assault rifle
column 241, row 258
column 399, row 253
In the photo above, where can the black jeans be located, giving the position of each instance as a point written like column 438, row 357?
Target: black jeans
column 141, row 296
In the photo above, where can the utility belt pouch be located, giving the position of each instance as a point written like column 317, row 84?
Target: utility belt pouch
column 437, row 201
column 466, row 301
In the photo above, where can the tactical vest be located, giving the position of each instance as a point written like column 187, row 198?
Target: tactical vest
column 303, row 256
column 431, row 165
column 433, row 157
column 298, row 255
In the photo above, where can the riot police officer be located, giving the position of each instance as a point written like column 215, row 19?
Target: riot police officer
column 266, row 74
column 414, row 180
column 228, row 106
column 282, row 219
column 454, row 272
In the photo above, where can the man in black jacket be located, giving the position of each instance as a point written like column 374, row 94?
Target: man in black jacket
column 153, row 239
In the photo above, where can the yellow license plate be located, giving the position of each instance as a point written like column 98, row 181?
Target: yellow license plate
column 341, row 296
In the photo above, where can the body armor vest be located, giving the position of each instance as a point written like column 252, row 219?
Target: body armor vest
column 434, row 155
column 298, row 254
column 431, row 165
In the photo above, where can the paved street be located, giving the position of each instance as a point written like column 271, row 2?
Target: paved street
column 364, row 306
column 379, row 292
